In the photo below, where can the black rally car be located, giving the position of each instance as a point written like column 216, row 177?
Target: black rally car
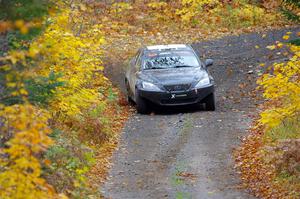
column 169, row 75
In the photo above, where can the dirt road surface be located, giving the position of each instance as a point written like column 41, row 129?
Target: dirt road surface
column 187, row 153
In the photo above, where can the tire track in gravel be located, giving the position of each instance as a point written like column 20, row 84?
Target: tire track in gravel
column 184, row 153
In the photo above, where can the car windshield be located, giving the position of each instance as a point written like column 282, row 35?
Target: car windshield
column 170, row 59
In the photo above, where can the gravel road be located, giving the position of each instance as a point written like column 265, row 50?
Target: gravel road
column 185, row 153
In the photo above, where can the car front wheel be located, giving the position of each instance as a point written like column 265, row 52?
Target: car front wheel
column 141, row 105
column 129, row 99
column 209, row 101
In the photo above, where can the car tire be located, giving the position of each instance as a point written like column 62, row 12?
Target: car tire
column 130, row 101
column 209, row 101
column 141, row 105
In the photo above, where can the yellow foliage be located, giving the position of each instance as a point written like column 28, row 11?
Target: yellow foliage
column 20, row 175
column 248, row 12
column 190, row 8
column 286, row 37
column 120, row 7
column 19, row 24
column 65, row 48
column 77, row 58
column 230, row 14
column 157, row 5
column 282, row 89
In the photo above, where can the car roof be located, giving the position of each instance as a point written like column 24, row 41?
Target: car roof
column 169, row 47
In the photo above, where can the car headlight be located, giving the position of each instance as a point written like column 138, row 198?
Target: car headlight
column 150, row 86
column 203, row 82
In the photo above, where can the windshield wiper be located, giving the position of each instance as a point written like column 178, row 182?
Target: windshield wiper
column 182, row 66
column 154, row 68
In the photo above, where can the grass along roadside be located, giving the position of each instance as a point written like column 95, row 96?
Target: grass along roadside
column 281, row 150
column 268, row 162
column 268, row 159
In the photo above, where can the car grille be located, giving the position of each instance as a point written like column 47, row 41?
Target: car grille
column 178, row 101
column 178, row 87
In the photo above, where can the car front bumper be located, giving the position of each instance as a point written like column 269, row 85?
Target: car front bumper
column 166, row 98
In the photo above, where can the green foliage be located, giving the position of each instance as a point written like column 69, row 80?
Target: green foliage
column 288, row 129
column 295, row 42
column 290, row 9
column 97, row 123
column 9, row 100
column 290, row 15
column 42, row 89
column 183, row 195
column 97, row 111
column 15, row 38
column 68, row 161
column 112, row 96
column 292, row 2
column 23, row 9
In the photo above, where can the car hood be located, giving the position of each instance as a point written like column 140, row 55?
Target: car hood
column 173, row 76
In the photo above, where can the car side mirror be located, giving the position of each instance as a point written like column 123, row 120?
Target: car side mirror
column 209, row 62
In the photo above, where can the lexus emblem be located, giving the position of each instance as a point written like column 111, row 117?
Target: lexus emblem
column 173, row 96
